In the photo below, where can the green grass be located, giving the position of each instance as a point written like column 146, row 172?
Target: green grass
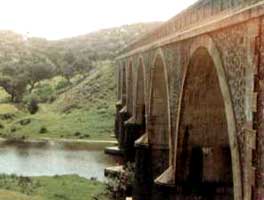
column 68, row 187
column 84, row 111
column 79, row 124
column 9, row 195
column 7, row 108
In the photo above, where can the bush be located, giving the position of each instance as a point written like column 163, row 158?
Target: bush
column 120, row 185
column 13, row 129
column 25, row 122
column 2, row 126
column 44, row 92
column 62, row 84
column 32, row 106
column 51, row 99
column 43, row 130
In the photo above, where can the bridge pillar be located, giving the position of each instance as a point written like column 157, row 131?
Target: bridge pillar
column 143, row 173
column 133, row 131
column 123, row 116
column 117, row 119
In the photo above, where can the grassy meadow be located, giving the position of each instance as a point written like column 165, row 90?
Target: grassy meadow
column 82, row 110
column 70, row 187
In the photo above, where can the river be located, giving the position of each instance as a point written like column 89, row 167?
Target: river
column 54, row 159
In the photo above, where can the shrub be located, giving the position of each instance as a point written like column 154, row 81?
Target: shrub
column 120, row 186
column 25, row 122
column 43, row 130
column 2, row 126
column 13, row 129
column 32, row 106
column 44, row 92
column 51, row 99
column 7, row 116
column 77, row 134
column 62, row 84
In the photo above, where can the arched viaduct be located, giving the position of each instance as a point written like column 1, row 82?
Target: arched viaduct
column 190, row 104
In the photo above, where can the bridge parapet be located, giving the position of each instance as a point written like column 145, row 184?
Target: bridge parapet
column 201, row 12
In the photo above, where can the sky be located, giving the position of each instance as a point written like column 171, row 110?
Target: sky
column 56, row 19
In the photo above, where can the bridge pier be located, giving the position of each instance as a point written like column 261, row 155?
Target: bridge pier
column 117, row 119
column 133, row 131
column 123, row 116
column 143, row 173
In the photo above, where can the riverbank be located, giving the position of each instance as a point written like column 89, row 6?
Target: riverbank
column 70, row 187
column 73, row 144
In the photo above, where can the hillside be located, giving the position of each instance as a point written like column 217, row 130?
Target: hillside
column 68, row 108
column 105, row 44
column 97, row 91
column 100, row 45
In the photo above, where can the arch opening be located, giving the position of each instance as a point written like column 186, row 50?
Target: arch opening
column 130, row 88
column 123, row 84
column 158, row 122
column 204, row 164
column 139, row 109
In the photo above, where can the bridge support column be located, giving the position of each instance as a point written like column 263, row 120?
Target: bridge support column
column 122, row 118
column 118, row 109
column 143, row 173
column 159, row 163
column 133, row 131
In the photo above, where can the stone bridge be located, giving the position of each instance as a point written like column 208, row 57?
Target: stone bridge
column 190, row 109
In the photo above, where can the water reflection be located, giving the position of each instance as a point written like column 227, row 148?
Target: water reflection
column 43, row 160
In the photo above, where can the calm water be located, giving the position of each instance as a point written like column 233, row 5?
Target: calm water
column 28, row 160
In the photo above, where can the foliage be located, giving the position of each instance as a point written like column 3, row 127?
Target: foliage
column 19, row 66
column 32, row 106
column 14, row 85
column 43, row 92
column 61, row 84
column 120, row 186
column 24, row 62
column 38, row 72
column 78, row 106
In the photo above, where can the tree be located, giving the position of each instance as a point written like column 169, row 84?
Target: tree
column 68, row 72
column 83, row 66
column 38, row 72
column 15, row 86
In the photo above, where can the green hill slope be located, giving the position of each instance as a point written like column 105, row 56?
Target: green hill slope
column 83, row 109
column 98, row 91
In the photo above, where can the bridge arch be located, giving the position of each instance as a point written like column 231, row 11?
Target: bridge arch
column 124, row 83
column 130, row 88
column 159, row 128
column 140, row 95
column 206, row 47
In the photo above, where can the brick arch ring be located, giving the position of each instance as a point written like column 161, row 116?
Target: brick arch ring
column 140, row 68
column 160, row 55
column 207, row 43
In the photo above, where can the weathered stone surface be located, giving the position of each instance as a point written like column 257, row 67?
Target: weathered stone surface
column 195, row 87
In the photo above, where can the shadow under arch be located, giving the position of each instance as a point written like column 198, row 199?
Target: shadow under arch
column 123, row 87
column 207, row 44
column 159, row 129
column 140, row 97
column 130, row 82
